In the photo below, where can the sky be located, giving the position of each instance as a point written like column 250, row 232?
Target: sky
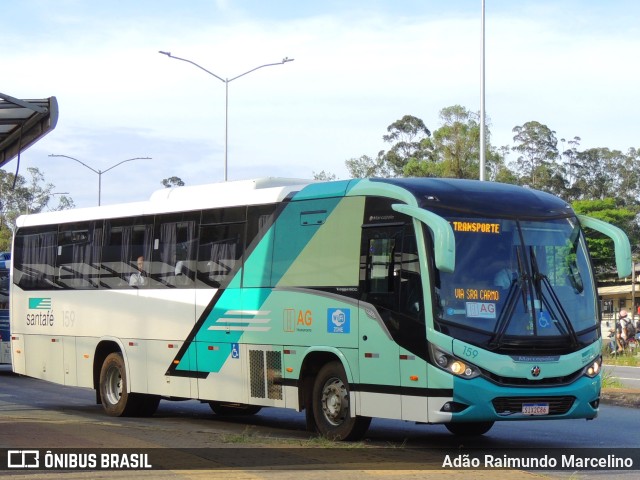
column 357, row 67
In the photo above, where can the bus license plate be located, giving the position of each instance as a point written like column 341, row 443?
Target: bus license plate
column 535, row 408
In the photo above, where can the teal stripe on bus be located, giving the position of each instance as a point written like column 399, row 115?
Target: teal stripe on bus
column 212, row 330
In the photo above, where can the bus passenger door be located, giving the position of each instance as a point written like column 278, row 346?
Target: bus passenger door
column 379, row 354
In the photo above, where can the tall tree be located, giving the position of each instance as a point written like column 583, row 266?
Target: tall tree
column 172, row 182
column 409, row 138
column 599, row 172
column 629, row 177
column 569, row 161
column 324, row 176
column 537, row 148
column 497, row 167
column 457, row 142
column 454, row 149
column 365, row 167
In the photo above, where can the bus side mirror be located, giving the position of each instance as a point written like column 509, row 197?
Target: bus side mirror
column 444, row 242
column 620, row 242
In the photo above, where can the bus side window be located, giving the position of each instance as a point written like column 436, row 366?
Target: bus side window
column 381, row 264
column 79, row 250
column 411, row 301
column 141, row 246
column 219, row 253
column 111, row 274
column 391, row 271
column 259, row 239
column 174, row 253
column 35, row 259
column 125, row 241
column 379, row 274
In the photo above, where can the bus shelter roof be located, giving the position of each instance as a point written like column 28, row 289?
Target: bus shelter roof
column 23, row 123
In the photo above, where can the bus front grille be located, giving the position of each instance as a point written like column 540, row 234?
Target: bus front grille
column 511, row 405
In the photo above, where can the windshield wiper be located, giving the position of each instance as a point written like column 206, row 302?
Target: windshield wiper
column 521, row 283
column 540, row 278
column 525, row 280
column 505, row 315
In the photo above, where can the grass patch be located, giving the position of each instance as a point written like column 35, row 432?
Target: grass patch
column 323, row 442
column 621, row 360
column 248, row 435
column 610, row 381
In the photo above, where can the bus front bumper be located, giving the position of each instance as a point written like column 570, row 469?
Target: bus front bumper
column 480, row 400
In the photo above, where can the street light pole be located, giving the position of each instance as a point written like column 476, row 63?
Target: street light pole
column 226, row 82
column 100, row 172
column 483, row 138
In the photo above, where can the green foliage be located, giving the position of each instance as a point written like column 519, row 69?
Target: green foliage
column 324, row 176
column 608, row 210
column 536, row 145
column 22, row 195
column 600, row 182
column 457, row 142
column 622, row 361
column 409, row 137
column 604, row 173
column 172, row 182
column 366, row 166
column 608, row 379
column 410, row 144
column 453, row 151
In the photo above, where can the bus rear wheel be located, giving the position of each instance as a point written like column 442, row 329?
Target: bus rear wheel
column 330, row 403
column 469, row 429
column 116, row 399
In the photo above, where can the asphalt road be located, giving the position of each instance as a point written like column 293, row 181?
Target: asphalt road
column 629, row 377
column 37, row 414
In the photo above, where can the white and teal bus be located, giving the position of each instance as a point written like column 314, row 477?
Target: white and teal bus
column 437, row 301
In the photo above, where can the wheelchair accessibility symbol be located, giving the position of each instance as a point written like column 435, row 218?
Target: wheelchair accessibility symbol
column 235, row 350
column 544, row 320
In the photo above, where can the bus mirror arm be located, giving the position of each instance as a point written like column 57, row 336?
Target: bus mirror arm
column 620, row 242
column 444, row 240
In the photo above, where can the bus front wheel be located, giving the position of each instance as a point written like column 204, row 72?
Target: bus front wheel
column 330, row 405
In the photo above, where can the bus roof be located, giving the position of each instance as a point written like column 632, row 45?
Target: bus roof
column 470, row 196
column 179, row 199
column 482, row 198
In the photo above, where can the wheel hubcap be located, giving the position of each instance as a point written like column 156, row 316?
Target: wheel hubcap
column 113, row 387
column 335, row 402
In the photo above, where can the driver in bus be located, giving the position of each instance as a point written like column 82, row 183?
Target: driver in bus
column 506, row 273
column 139, row 278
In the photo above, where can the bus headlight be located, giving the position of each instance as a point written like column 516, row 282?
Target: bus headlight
column 454, row 365
column 593, row 369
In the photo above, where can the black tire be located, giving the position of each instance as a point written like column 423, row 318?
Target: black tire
column 330, row 402
column 113, row 386
column 116, row 399
column 469, row 429
column 231, row 409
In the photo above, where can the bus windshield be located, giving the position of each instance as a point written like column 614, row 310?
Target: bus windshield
column 518, row 282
